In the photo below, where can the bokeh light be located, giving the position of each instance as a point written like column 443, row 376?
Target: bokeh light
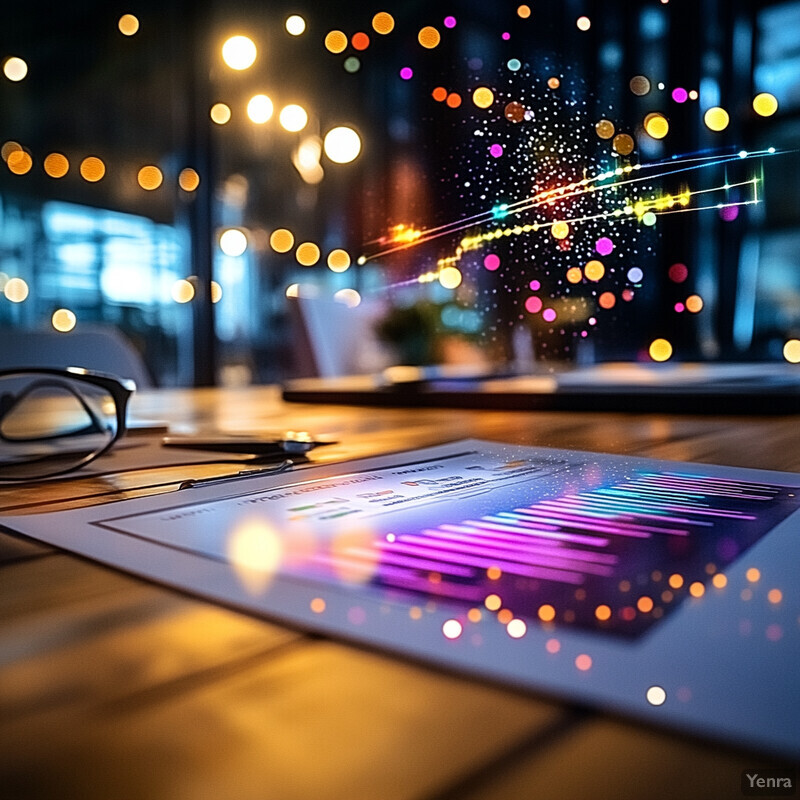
column 607, row 300
column 516, row 628
column 342, row 144
column 351, row 64
column 19, row 162
column 524, row 11
column 188, row 179
column 182, row 291
column 450, row 277
column 791, row 351
column 338, row 260
column 150, row 177
column 660, row 350
column 383, row 23
column 16, row 290
column 583, row 23
column 439, row 94
column 63, row 320
column 215, row 292
column 239, row 52
column 56, row 165
column 281, row 240
column 128, row 24
column 694, row 303
column 680, row 95
column 453, row 100
column 307, row 254
column 295, row 25
column 483, row 97
column 259, row 109
column 678, row 273
column 406, row 73
column 359, row 41
column 220, row 113
column 553, row 82
column 293, row 118
column 450, row 22
column 546, row 613
column 656, row 125
column 92, row 169
column 594, row 270
column 233, row 242
column 623, row 144
column 716, row 119
column 560, row 230
column 15, row 69
column 335, row 42
column 574, row 275
column 429, row 37
column 604, row 246
column 640, row 85
column 8, row 148
column 583, row 662
column 765, row 104
column 604, row 128
column 348, row 297
column 452, row 629
column 656, row 696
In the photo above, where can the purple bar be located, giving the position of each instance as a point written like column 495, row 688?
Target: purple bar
column 594, row 500
column 633, row 526
column 578, row 521
column 568, row 537
column 534, row 559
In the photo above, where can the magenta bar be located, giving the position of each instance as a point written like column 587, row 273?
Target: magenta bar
column 536, row 559
column 568, row 537
column 582, row 523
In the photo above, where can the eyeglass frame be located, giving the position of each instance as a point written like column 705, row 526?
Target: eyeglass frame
column 120, row 389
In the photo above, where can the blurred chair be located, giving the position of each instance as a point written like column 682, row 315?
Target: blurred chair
column 100, row 348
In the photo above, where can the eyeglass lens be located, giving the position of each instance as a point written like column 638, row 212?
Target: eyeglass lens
column 51, row 424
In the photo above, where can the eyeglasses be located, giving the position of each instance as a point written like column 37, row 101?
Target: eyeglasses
column 53, row 421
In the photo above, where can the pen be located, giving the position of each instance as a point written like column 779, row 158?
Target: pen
column 274, row 469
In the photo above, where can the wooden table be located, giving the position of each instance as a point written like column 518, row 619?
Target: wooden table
column 113, row 688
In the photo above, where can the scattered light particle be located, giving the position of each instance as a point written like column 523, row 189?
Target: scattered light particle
column 656, row 696
column 496, row 150
column 491, row 262
column 56, row 165
column 774, row 596
column 359, row 41
column 640, row 85
column 514, row 111
column 317, row 605
column 604, row 246
column 623, row 144
column 649, row 219
column 260, row 109
column 150, row 177
column 92, row 169
column 694, row 303
column 697, row 589
column 574, row 275
column 295, row 25
column 15, row 69
column 559, row 230
column 765, row 104
column 383, row 23
column 660, row 350
column 594, row 270
column 604, row 128
column 429, row 37
column 281, row 240
column 716, row 119
column 603, row 612
column 338, row 260
column 533, row 305
column 645, row 604
column 552, row 646
column 774, row 632
column 514, row 64
column 63, row 320
column 549, row 315
column 233, row 242
column 335, row 41
column 128, row 24
column 635, row 275
column 493, row 602
column 583, row 662
column 791, row 351
column 188, row 179
column 553, row 82
column 483, row 97
column 220, row 113
column 239, row 52
column 546, row 613
column 656, row 125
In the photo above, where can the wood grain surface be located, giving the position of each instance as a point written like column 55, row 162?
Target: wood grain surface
column 114, row 688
